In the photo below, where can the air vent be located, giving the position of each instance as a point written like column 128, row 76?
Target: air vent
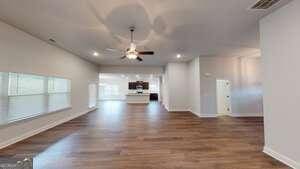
column 52, row 40
column 264, row 4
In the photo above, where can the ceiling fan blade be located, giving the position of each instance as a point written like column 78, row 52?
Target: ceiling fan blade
column 139, row 59
column 112, row 50
column 123, row 57
column 146, row 53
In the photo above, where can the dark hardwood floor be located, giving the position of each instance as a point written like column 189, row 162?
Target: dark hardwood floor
column 120, row 136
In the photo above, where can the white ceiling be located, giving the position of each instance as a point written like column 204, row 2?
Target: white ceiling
column 190, row 27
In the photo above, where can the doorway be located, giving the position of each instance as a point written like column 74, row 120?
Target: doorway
column 223, row 97
column 93, row 95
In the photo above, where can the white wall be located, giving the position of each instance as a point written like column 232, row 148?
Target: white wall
column 181, row 86
column 250, row 87
column 194, row 86
column 244, row 74
column 280, row 39
column 175, row 87
column 20, row 52
column 213, row 68
column 165, row 89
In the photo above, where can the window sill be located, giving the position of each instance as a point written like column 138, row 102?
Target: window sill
column 29, row 118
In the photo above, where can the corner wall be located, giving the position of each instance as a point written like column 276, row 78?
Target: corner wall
column 246, row 90
column 181, row 87
column 21, row 52
column 280, row 39
column 194, row 86
column 175, row 87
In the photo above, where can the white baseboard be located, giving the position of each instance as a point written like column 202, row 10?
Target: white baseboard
column 208, row 115
column 167, row 108
column 178, row 110
column 247, row 115
column 282, row 158
column 42, row 129
column 194, row 113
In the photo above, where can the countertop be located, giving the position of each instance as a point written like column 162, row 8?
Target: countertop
column 138, row 94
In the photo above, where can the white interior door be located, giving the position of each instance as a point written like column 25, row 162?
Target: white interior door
column 223, row 97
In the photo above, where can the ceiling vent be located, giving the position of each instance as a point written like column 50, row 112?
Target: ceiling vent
column 264, row 4
column 52, row 40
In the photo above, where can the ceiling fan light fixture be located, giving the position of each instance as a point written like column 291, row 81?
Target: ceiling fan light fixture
column 131, row 54
column 132, row 47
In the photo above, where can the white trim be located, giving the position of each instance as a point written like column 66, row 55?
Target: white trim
column 282, row 158
column 208, row 115
column 194, row 113
column 27, row 118
column 175, row 110
column 203, row 115
column 167, row 108
column 246, row 115
column 178, row 110
column 42, row 129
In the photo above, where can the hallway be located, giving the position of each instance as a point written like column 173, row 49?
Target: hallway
column 118, row 135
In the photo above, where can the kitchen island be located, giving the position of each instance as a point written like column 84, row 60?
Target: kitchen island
column 138, row 98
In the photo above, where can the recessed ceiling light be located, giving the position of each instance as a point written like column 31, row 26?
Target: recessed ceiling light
column 96, row 54
column 178, row 56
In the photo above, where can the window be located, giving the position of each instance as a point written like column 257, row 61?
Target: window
column 110, row 92
column 92, row 95
column 24, row 84
column 154, row 85
column 26, row 95
column 59, row 93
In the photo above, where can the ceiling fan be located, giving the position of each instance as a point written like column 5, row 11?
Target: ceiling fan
column 131, row 52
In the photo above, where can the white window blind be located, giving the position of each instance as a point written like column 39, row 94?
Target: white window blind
column 59, row 93
column 26, row 95
column 24, row 84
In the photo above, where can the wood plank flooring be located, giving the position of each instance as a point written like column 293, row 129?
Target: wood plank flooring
column 121, row 136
